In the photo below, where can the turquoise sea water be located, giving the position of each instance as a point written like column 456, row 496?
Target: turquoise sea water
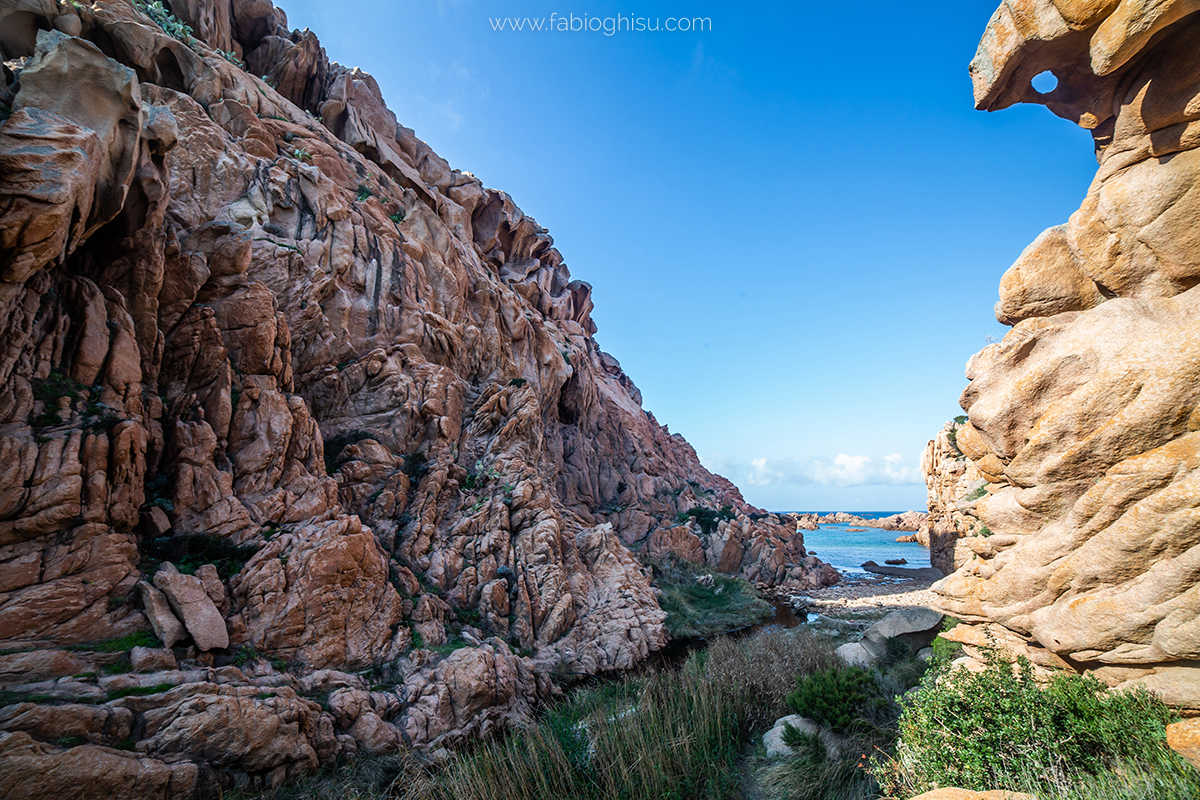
column 847, row 550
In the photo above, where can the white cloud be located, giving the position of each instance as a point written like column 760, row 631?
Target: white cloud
column 843, row 469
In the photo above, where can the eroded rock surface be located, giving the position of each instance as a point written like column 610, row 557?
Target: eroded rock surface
column 255, row 328
column 1084, row 544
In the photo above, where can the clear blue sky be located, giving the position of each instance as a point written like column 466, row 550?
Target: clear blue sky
column 794, row 222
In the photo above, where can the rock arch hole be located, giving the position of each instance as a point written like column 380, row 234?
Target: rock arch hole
column 1044, row 82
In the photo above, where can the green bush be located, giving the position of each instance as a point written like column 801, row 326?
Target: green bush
column 836, row 697
column 982, row 730
column 706, row 518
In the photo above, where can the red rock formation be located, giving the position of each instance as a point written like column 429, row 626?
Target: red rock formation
column 1084, row 419
column 260, row 313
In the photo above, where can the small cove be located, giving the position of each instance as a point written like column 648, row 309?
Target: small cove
column 846, row 549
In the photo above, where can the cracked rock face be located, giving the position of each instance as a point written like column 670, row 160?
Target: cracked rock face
column 1083, row 421
column 254, row 327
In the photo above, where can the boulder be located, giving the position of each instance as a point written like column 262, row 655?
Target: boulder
column 166, row 625
column 773, row 739
column 152, row 659
column 915, row 573
column 950, row 793
column 33, row 770
column 855, row 654
column 191, row 603
column 1184, row 738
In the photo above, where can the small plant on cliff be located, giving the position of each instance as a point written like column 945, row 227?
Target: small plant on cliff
column 232, row 58
column 988, row 729
column 161, row 16
column 398, row 217
column 300, row 154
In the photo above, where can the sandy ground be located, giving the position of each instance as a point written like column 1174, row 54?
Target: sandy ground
column 863, row 592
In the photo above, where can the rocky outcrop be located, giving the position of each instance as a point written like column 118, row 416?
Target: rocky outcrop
column 954, row 486
column 1083, row 420
column 256, row 329
column 904, row 521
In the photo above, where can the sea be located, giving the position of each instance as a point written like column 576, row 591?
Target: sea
column 847, row 550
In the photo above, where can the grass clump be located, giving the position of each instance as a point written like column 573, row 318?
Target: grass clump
column 998, row 728
column 700, row 604
column 122, row 644
column 140, row 691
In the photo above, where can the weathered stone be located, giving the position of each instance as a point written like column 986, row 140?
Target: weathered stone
column 855, row 654
column 152, row 659
column 915, row 626
column 1184, row 738
column 193, row 606
column 1083, row 419
column 773, row 739
column 951, row 793
column 33, row 770
column 167, row 627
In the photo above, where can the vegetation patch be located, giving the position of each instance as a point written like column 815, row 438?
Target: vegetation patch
column 999, row 728
column 335, row 445
column 140, row 691
column 700, row 603
column 708, row 519
column 122, row 644
column 191, row 551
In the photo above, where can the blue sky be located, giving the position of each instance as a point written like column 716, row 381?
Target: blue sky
column 794, row 221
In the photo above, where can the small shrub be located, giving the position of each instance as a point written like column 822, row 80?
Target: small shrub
column 944, row 650
column 835, row 697
column 161, row 16
column 398, row 217
column 300, row 154
column 976, row 494
column 708, row 519
column 416, row 464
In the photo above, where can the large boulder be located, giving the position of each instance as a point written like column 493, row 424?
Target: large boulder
column 193, row 606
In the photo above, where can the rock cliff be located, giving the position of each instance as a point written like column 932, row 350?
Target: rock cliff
column 1084, row 542
column 280, row 385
